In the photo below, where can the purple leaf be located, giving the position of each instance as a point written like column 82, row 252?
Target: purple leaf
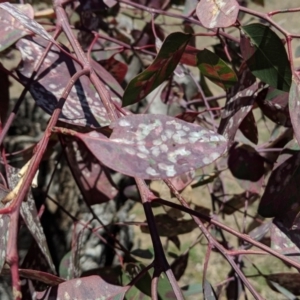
column 294, row 106
column 28, row 23
column 92, row 178
column 281, row 196
column 83, row 106
column 249, row 128
column 40, row 276
column 240, row 99
column 154, row 146
column 82, row 288
column 247, row 166
column 11, row 29
column 182, row 181
column 114, row 67
column 213, row 14
column 189, row 116
column 30, row 216
column 274, row 105
column 114, row 88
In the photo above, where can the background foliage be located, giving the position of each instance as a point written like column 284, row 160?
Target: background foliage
column 149, row 149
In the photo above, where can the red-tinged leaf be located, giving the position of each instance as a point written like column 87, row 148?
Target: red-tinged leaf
column 92, row 178
column 240, row 99
column 44, row 277
column 189, row 57
column 238, row 201
column 189, row 116
column 154, row 146
column 281, row 196
column 249, row 128
column 215, row 69
column 247, row 49
column 294, row 106
column 274, row 105
column 169, row 227
column 26, row 21
column 163, row 66
column 285, row 241
column 83, row 106
column 179, row 265
column 182, row 181
column 217, row 13
column 30, row 216
column 115, row 90
column 82, row 288
column 11, row 30
column 247, row 166
column 116, row 68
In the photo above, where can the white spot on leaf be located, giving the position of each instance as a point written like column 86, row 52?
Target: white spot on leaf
column 124, row 123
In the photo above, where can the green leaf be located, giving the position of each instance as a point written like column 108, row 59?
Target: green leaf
column 163, row 66
column 215, row 69
column 266, row 56
column 192, row 289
